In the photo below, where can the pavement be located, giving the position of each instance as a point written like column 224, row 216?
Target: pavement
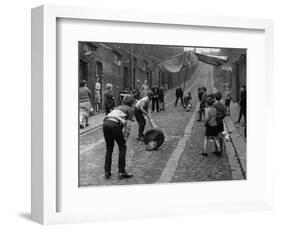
column 237, row 145
column 179, row 159
column 238, row 140
column 94, row 122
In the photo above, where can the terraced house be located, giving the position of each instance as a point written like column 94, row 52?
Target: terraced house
column 123, row 65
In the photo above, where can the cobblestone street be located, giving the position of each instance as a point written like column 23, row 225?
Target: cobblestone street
column 179, row 159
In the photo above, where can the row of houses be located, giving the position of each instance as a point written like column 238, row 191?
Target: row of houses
column 122, row 65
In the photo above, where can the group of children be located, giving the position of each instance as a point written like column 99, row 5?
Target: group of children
column 115, row 125
column 214, row 112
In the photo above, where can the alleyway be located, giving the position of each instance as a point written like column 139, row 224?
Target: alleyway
column 179, row 159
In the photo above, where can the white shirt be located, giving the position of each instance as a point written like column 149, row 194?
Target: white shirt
column 97, row 86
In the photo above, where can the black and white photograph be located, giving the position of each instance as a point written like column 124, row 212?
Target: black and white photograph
column 153, row 114
column 140, row 115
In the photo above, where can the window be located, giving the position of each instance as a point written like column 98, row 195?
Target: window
column 145, row 65
column 117, row 58
column 135, row 60
column 98, row 69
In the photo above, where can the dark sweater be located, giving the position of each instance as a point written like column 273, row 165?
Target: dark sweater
column 243, row 99
column 221, row 110
column 161, row 94
column 84, row 94
column 179, row 92
column 109, row 103
column 155, row 91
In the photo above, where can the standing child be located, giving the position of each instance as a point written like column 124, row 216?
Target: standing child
column 200, row 92
column 202, row 103
column 211, row 126
column 98, row 95
column 187, row 100
column 242, row 104
column 179, row 95
column 161, row 98
column 141, row 109
column 221, row 113
column 144, row 89
column 227, row 101
column 84, row 103
column 138, row 89
column 155, row 98
column 109, row 103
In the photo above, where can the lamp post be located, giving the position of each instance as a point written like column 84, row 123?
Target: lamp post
column 132, row 64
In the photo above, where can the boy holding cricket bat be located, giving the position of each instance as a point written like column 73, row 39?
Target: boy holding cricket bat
column 141, row 109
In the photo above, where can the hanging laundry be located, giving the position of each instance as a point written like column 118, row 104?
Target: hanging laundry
column 212, row 59
column 175, row 64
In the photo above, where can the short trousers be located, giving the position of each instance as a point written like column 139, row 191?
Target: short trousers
column 220, row 127
column 211, row 131
column 227, row 103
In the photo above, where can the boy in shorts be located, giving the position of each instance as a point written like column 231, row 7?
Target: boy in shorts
column 221, row 113
column 211, row 126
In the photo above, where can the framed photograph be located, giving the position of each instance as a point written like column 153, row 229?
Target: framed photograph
column 145, row 114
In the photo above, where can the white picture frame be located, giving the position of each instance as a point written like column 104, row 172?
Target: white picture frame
column 44, row 178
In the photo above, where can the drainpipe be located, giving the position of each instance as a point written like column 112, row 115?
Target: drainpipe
column 132, row 64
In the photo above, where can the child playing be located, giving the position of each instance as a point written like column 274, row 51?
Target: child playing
column 161, row 99
column 114, row 125
column 227, row 101
column 141, row 109
column 202, row 102
column 211, row 126
column 200, row 92
column 187, row 100
column 221, row 113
